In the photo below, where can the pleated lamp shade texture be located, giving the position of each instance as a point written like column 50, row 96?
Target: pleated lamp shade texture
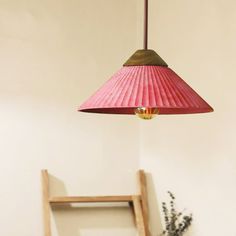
column 145, row 86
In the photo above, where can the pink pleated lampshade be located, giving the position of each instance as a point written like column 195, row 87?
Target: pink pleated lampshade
column 150, row 86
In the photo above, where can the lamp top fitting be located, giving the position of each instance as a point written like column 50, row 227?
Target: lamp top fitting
column 145, row 57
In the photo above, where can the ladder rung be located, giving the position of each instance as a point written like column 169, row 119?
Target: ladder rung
column 61, row 200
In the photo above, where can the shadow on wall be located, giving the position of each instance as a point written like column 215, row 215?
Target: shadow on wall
column 156, row 227
column 80, row 221
column 89, row 219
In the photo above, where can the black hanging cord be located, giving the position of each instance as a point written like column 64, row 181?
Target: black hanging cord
column 145, row 40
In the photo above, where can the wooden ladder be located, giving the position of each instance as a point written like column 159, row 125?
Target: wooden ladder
column 138, row 203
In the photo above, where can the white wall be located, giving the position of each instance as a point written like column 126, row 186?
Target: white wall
column 53, row 55
column 194, row 155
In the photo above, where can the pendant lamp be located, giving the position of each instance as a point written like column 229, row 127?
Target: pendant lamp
column 145, row 86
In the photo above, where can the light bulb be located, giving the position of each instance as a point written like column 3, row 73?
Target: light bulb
column 146, row 113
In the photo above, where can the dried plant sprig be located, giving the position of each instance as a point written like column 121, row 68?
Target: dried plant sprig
column 176, row 223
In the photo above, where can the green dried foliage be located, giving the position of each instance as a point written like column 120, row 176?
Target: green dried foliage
column 176, row 223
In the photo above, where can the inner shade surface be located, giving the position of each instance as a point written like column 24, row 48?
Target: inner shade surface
column 145, row 86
